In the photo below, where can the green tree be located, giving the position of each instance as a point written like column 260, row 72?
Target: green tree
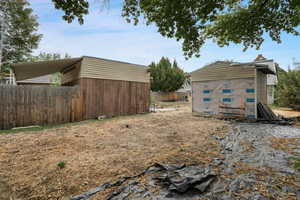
column 166, row 77
column 194, row 21
column 288, row 89
column 43, row 56
column 18, row 31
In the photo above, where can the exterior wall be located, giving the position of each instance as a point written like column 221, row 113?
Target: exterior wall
column 71, row 76
column 210, row 97
column 113, row 70
column 114, row 97
column 223, row 71
column 270, row 92
column 261, row 87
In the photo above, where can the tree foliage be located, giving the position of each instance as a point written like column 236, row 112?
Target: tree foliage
column 73, row 9
column 18, row 31
column 194, row 21
column 43, row 56
column 288, row 89
column 165, row 76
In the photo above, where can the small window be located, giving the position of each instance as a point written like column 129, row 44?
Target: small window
column 227, row 91
column 227, row 99
column 206, row 99
column 206, row 91
column 250, row 100
column 251, row 116
column 250, row 90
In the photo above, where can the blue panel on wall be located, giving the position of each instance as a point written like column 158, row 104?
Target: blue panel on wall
column 251, row 116
column 250, row 100
column 227, row 90
column 250, row 90
column 226, row 99
column 206, row 91
column 206, row 99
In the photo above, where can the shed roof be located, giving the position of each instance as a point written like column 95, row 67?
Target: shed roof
column 30, row 70
column 46, row 79
column 225, row 70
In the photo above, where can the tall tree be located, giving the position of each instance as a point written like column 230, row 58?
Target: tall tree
column 194, row 21
column 288, row 89
column 18, row 31
column 43, row 56
column 166, row 77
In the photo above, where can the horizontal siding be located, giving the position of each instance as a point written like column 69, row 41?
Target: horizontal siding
column 72, row 75
column 113, row 70
column 222, row 71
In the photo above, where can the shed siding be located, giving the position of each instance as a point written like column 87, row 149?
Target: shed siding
column 223, row 71
column 72, row 75
column 208, row 96
column 261, row 87
column 113, row 70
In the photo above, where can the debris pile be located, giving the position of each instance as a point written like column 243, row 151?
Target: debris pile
column 159, row 181
column 265, row 114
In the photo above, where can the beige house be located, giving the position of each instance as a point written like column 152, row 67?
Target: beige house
column 231, row 89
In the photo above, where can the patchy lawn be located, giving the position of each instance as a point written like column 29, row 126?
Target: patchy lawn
column 97, row 152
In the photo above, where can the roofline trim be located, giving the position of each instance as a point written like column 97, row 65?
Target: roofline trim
column 254, row 62
column 114, row 61
column 44, row 61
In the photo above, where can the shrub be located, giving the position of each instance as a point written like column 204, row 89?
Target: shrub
column 288, row 89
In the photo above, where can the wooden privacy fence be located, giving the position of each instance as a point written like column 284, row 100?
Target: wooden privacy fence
column 39, row 105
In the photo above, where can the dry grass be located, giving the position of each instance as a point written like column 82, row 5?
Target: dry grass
column 289, row 145
column 98, row 152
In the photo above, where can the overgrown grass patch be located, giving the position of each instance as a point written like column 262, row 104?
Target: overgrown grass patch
column 296, row 162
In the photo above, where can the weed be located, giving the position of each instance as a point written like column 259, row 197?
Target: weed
column 61, row 164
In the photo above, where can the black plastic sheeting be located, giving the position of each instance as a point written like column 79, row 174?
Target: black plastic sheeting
column 172, row 180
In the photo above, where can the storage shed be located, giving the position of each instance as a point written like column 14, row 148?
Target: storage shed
column 229, row 89
column 109, row 87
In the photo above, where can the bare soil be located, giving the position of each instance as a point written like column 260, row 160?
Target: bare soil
column 287, row 112
column 102, row 151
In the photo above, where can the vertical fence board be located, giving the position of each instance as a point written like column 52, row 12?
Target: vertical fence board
column 39, row 105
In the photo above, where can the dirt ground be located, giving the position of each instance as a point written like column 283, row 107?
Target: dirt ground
column 287, row 112
column 101, row 151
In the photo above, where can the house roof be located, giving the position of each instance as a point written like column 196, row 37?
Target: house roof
column 31, row 70
column 225, row 70
column 47, row 79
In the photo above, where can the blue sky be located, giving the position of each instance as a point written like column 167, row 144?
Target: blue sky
column 105, row 34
